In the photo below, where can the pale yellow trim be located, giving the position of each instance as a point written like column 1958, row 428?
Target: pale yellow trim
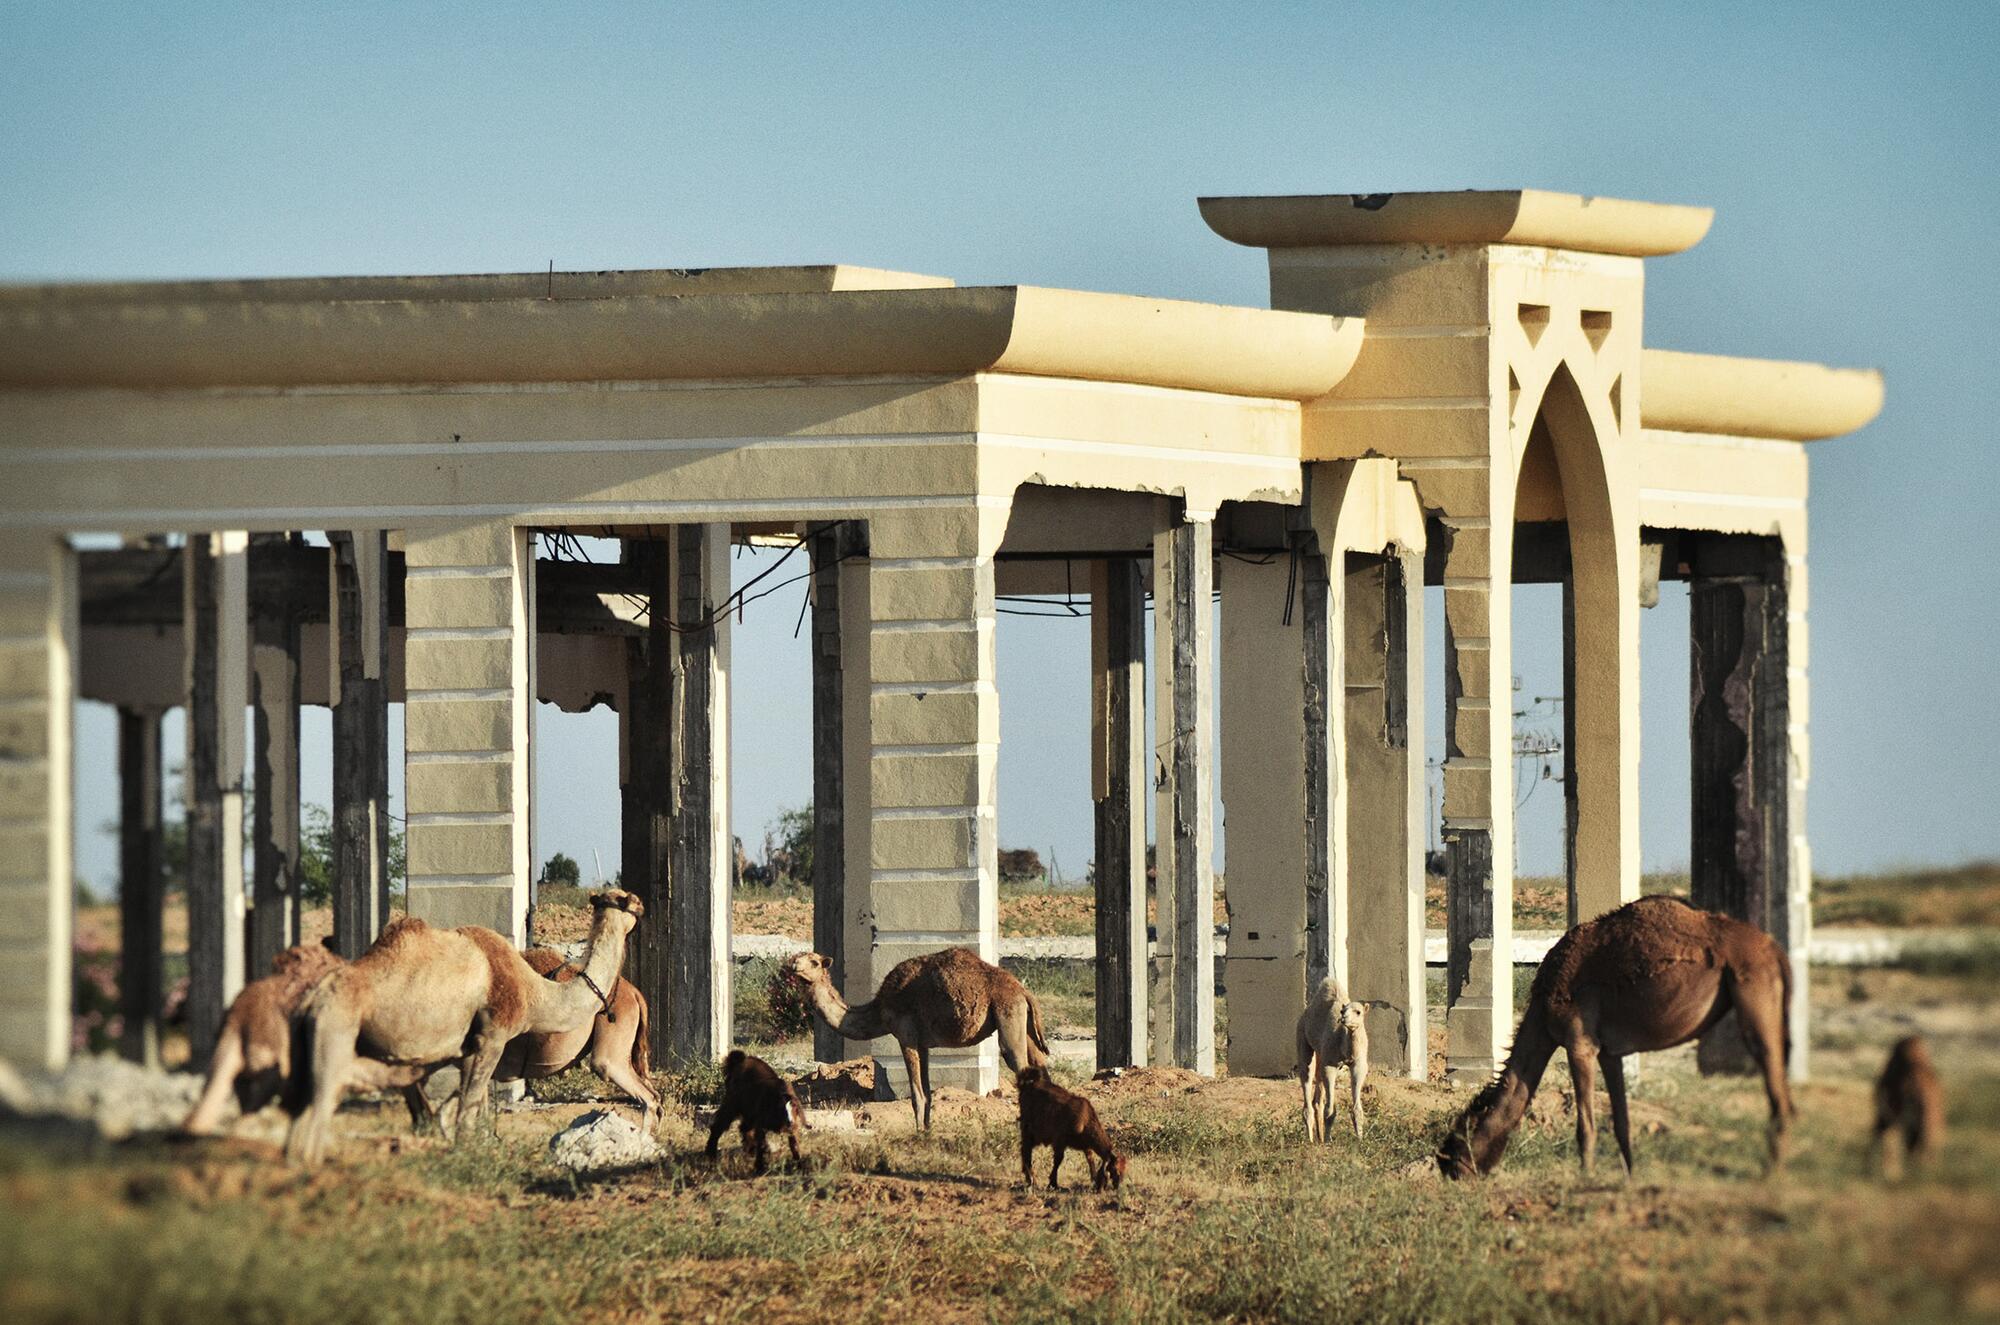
column 1471, row 216
column 1714, row 393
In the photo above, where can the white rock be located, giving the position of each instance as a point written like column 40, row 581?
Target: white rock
column 602, row 1140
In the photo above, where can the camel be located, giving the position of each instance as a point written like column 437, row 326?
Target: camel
column 253, row 1052
column 941, row 1000
column 1909, row 1107
column 1652, row 974
column 1331, row 1035
column 423, row 996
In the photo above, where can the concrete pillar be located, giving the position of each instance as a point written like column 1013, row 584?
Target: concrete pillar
column 274, row 740
column 1183, row 573
column 468, row 658
column 857, row 699
column 646, row 787
column 698, row 879
column 38, row 638
column 1383, row 611
column 1282, row 850
column 1117, row 788
column 359, row 686
column 1478, row 799
column 834, row 546
column 142, row 883
column 216, row 605
column 935, row 727
column 1740, row 629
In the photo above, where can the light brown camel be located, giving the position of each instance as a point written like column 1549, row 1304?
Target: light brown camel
column 941, row 1000
column 423, row 996
column 615, row 1041
column 1331, row 1034
column 1653, row 974
column 253, row 1051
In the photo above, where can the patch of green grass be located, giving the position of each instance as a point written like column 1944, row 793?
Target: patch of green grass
column 1978, row 960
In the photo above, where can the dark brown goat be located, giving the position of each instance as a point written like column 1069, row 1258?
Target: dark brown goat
column 760, row 1102
column 1909, row 1103
column 1063, row 1121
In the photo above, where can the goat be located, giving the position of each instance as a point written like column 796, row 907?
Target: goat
column 761, row 1101
column 1063, row 1121
column 1908, row 1101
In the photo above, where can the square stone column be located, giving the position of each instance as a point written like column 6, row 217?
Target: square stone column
column 38, row 659
column 840, row 785
column 1184, row 834
column 698, row 1016
column 274, row 694
column 1383, row 611
column 468, row 660
column 1118, row 788
column 935, row 727
column 142, row 884
column 216, row 587
column 358, row 686
column 1282, row 850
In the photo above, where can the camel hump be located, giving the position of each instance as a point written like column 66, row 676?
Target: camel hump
column 549, row 962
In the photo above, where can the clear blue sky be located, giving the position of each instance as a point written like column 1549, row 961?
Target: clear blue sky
column 1849, row 151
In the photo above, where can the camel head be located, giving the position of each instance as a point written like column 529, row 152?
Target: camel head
column 1478, row 1137
column 808, row 968
column 616, row 911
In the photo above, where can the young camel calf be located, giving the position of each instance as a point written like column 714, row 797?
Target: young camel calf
column 761, row 1101
column 1063, row 1121
column 1909, row 1103
column 1331, row 1035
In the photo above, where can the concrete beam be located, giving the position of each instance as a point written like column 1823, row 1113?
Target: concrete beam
column 1281, row 853
column 1383, row 611
column 217, row 585
column 1183, row 573
column 699, row 878
column 274, row 695
column 142, row 881
column 358, row 684
column 1117, row 788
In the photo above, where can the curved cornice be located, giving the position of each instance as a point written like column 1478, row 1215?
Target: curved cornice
column 146, row 342
column 1714, row 393
column 1472, row 216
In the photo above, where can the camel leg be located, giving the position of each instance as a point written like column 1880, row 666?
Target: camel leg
column 619, row 1072
column 1306, row 1096
column 332, row 1060
column 1760, row 1015
column 1013, row 1037
column 489, row 1043
column 913, row 1068
column 1621, row 1117
column 1055, row 1167
column 792, row 1136
column 753, row 1141
column 206, row 1117
column 1583, row 1075
column 1357, row 1073
column 930, row 1102
column 1328, row 1076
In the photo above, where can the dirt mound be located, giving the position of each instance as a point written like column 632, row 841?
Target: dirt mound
column 837, row 1084
column 1138, row 1083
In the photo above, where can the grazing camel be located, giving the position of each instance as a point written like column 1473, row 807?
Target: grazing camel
column 1908, row 1104
column 1653, row 974
column 423, row 996
column 253, row 1052
column 1331, row 1035
column 761, row 1101
column 941, row 1000
column 1063, row 1121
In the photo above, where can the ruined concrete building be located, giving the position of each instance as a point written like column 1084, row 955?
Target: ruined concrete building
column 1450, row 389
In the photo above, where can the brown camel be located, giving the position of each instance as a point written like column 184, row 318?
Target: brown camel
column 1909, row 1107
column 941, row 1000
column 421, row 997
column 253, row 1052
column 1653, row 974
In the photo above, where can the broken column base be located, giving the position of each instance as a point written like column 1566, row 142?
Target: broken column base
column 1469, row 1023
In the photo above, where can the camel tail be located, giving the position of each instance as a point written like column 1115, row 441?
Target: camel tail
column 642, row 1051
column 1035, row 1034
